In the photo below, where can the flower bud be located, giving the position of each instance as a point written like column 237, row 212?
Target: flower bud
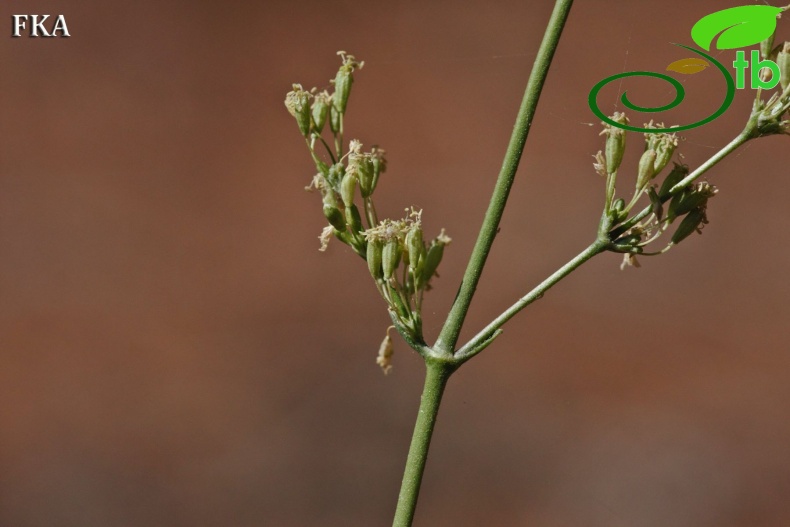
column 690, row 223
column 646, row 169
column 414, row 246
column 320, row 109
column 783, row 61
column 766, row 46
column 343, row 81
column 664, row 144
column 689, row 199
column 390, row 257
column 617, row 212
column 335, row 175
column 297, row 102
column 334, row 118
column 374, row 256
column 353, row 218
column 664, row 154
column 675, row 176
column 628, row 243
column 432, row 260
column 361, row 165
column 434, row 257
column 335, row 217
column 379, row 164
column 347, row 189
column 615, row 143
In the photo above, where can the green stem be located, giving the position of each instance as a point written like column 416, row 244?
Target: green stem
column 470, row 349
column 455, row 319
column 370, row 212
column 733, row 145
column 743, row 137
column 436, row 376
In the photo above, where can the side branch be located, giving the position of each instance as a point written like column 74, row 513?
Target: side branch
column 476, row 345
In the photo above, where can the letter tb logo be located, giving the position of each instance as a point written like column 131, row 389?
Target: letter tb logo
column 736, row 27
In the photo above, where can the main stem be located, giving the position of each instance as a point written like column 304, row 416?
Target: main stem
column 455, row 319
column 436, row 376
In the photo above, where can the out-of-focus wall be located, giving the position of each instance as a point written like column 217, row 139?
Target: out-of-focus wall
column 174, row 351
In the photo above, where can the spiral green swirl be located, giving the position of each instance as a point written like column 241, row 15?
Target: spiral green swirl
column 679, row 96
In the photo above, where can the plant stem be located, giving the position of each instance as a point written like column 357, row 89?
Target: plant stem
column 740, row 139
column 436, row 376
column 455, row 319
column 718, row 156
column 470, row 349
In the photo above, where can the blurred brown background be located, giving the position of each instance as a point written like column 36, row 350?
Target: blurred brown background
column 174, row 351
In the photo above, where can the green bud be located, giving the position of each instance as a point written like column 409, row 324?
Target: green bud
column 361, row 165
column 664, row 144
column 766, row 46
column 335, row 217
column 353, row 218
column 390, row 258
column 335, row 175
column 414, row 246
column 334, row 118
column 615, row 143
column 689, row 199
column 297, row 101
column 432, row 260
column 343, row 80
column 374, row 257
column 320, row 110
column 646, row 169
column 663, row 155
column 617, row 212
column 434, row 257
column 347, row 189
column 627, row 242
column 690, row 223
column 675, row 176
column 379, row 164
column 783, row 60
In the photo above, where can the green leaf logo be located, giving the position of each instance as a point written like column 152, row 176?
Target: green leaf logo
column 739, row 26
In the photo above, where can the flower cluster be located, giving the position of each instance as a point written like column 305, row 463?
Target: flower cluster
column 402, row 265
column 773, row 115
column 400, row 262
column 687, row 203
